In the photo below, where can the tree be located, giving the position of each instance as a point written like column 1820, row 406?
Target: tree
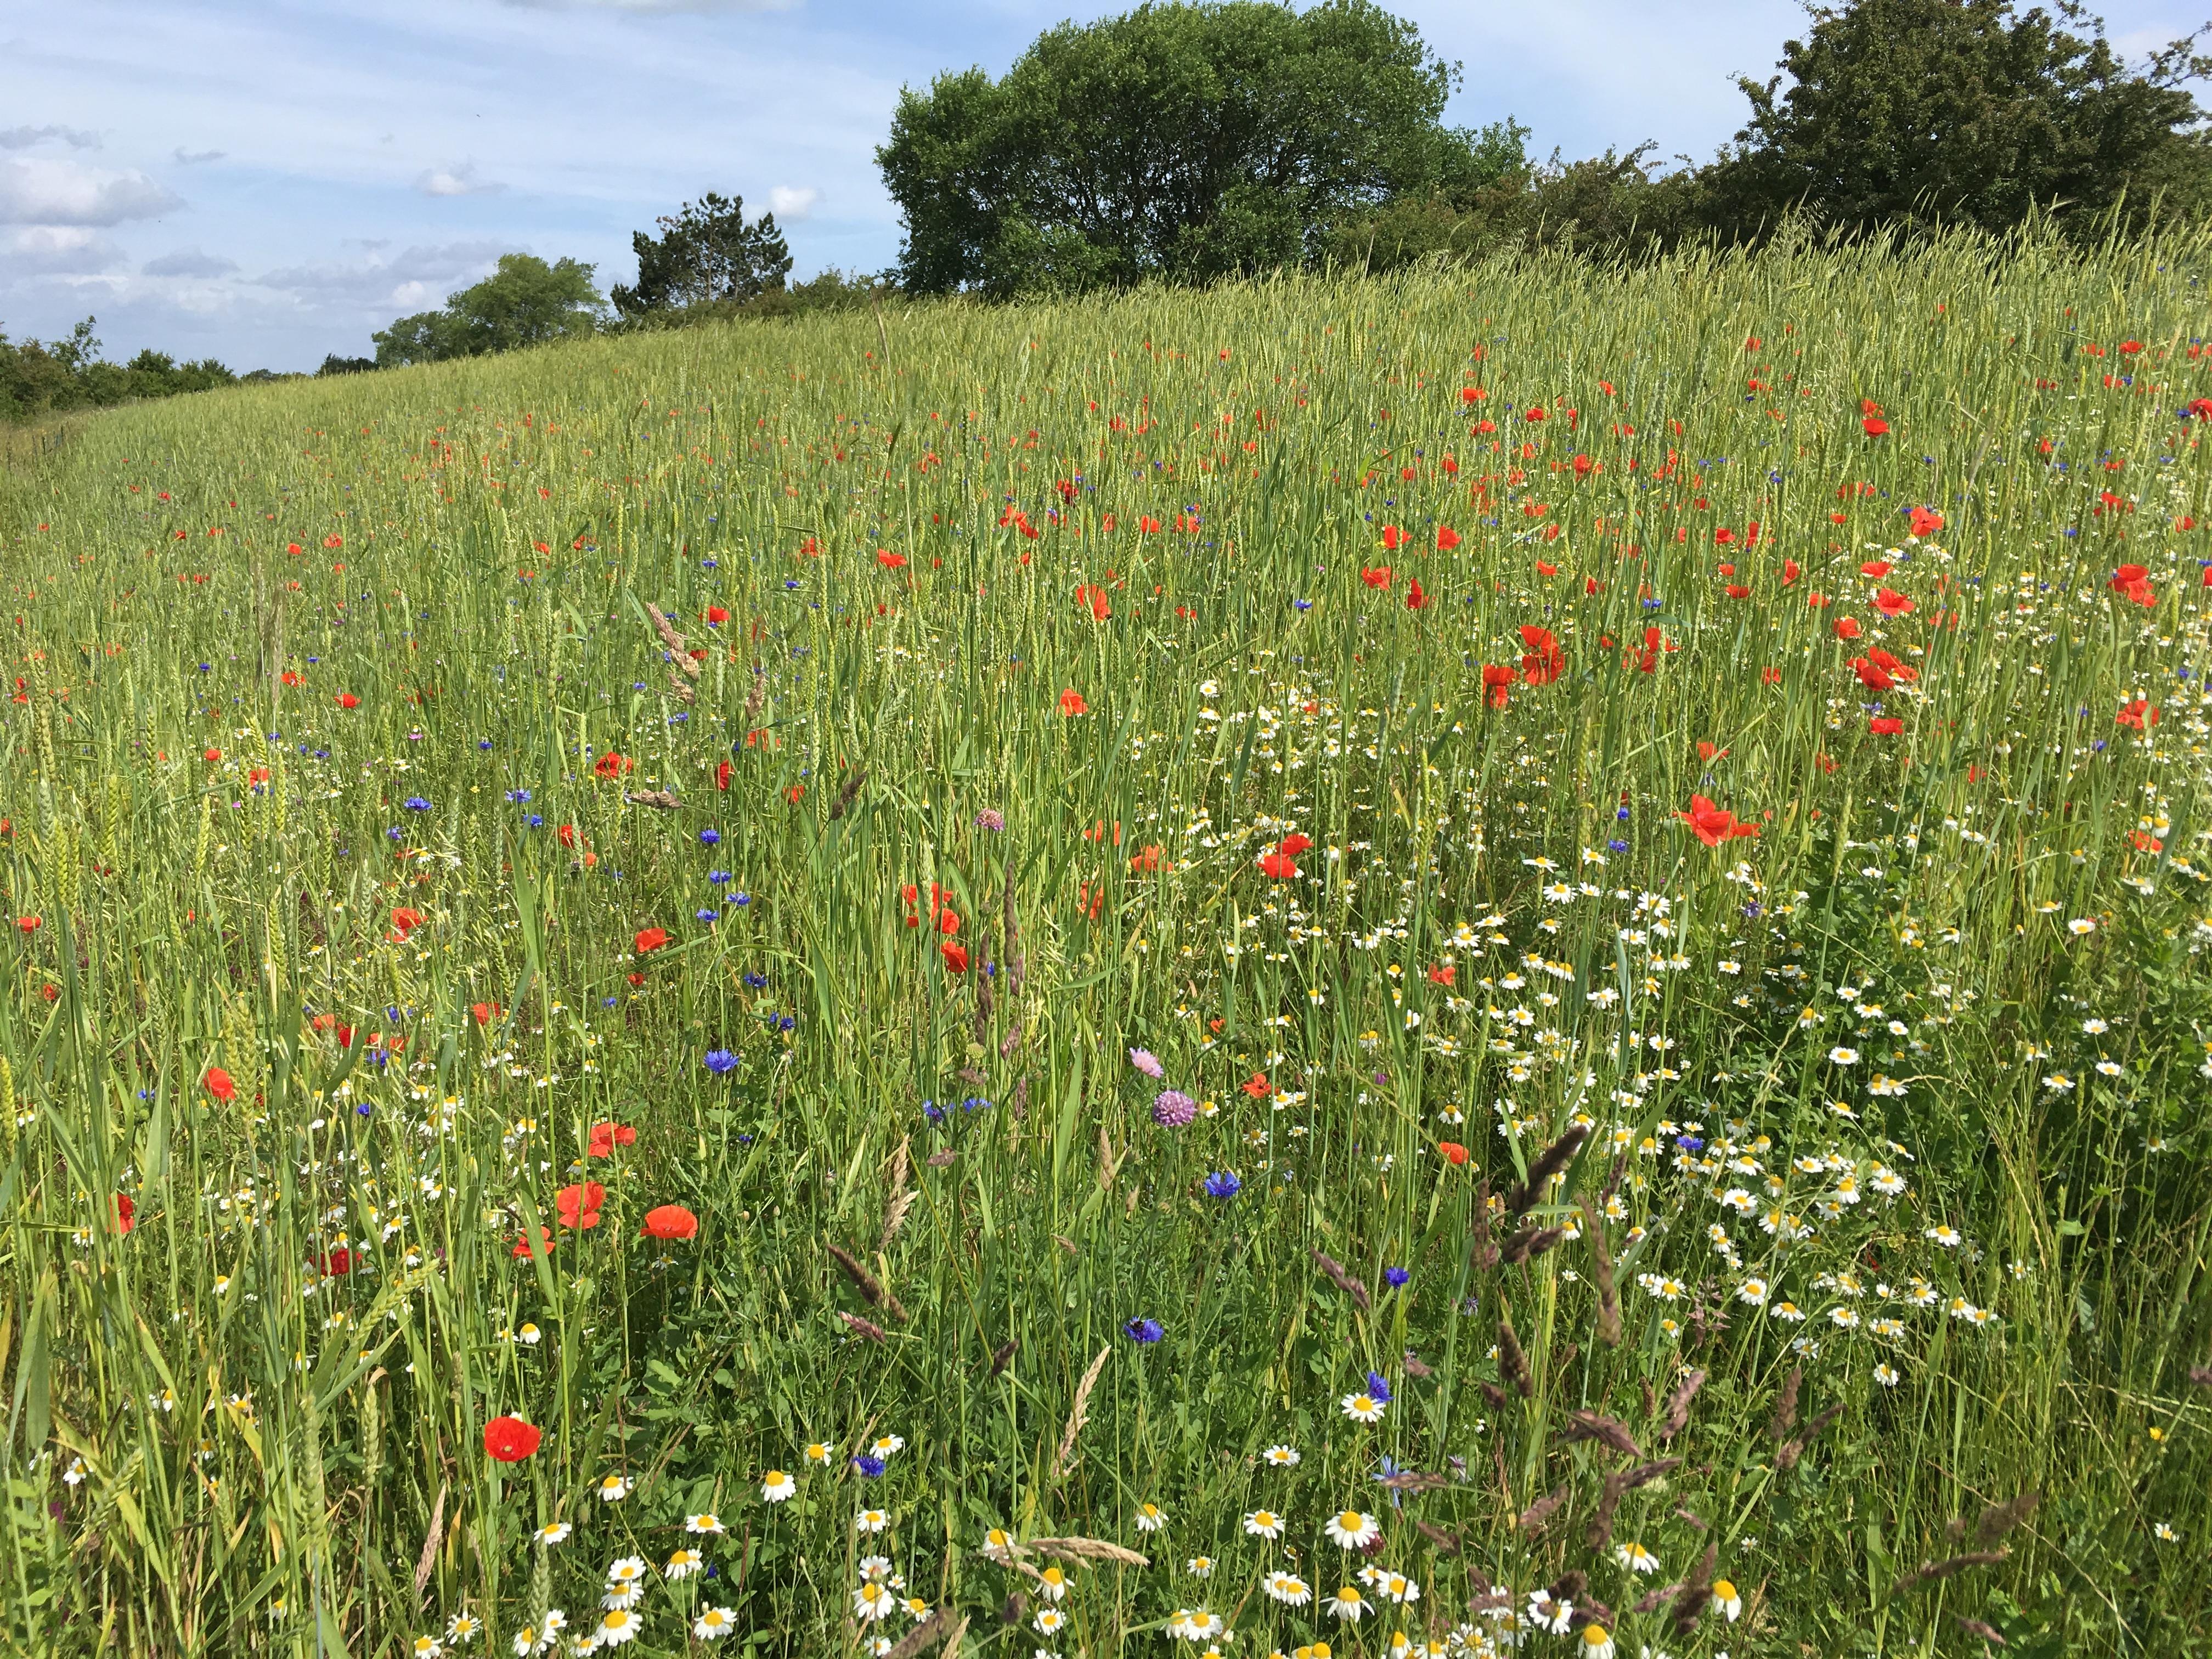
column 707, row 252
column 523, row 302
column 334, row 364
column 1962, row 110
column 1184, row 141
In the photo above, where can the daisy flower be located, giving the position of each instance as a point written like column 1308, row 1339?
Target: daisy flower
column 683, row 1563
column 821, row 1454
column 776, row 1486
column 1362, row 1407
column 1596, row 1642
column 1352, row 1530
column 870, row 1521
column 1287, row 1588
column 1199, row 1566
column 1347, row 1604
column 1052, row 1584
column 873, row 1602
column 697, row 1524
column 1727, row 1601
column 616, row 1626
column 1264, row 1523
column 1282, row 1457
column 1150, row 1517
column 1635, row 1558
column 713, row 1624
column 462, row 1628
column 612, row 1490
column 554, row 1532
column 1049, row 1620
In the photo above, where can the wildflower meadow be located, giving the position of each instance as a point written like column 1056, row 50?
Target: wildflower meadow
column 1507, row 959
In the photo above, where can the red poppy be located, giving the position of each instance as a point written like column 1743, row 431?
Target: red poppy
column 126, row 1213
column 1293, row 844
column 1092, row 599
column 1377, row 577
column 211, row 756
column 722, row 775
column 1712, row 824
column 337, row 1264
column 1788, row 572
column 2133, row 581
column 649, row 939
column 509, row 1439
column 1497, row 684
column 670, row 1221
column 1392, row 537
column 219, row 1085
column 956, row 956
column 1148, row 860
column 1846, row 628
column 1257, row 1085
column 347, row 700
column 1278, row 866
column 1738, row 591
column 1875, row 425
column 30, row 924
column 2143, row 842
column 1891, row 603
column 611, row 765
column 1926, row 522
column 1447, row 539
column 1724, row 536
column 1886, row 725
column 1872, row 674
column 1071, row 703
column 1544, row 661
column 405, row 922
column 2137, row 714
column 605, row 1137
column 1444, row 974
column 1146, row 524
column 485, row 1012
column 522, row 1251
column 578, row 1205
column 1415, row 598
column 716, row 616
column 889, row 560
column 1452, row 1151
column 1876, row 569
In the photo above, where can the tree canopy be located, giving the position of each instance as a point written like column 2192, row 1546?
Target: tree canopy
column 523, row 302
column 707, row 252
column 1182, row 141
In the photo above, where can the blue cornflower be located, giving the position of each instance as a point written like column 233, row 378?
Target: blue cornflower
column 706, row 916
column 755, row 981
column 720, row 1062
column 1690, row 1143
column 518, row 795
column 483, row 743
column 1616, row 846
column 933, row 1111
column 1143, row 1331
column 1378, row 1388
column 1304, row 604
column 788, row 1023
column 869, row 1465
column 535, row 822
column 741, row 898
column 1223, row 1184
column 392, row 834
column 1621, row 814
column 716, row 878
column 415, row 804
column 710, row 837
column 1395, row 1277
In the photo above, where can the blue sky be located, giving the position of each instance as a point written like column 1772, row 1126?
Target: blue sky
column 269, row 180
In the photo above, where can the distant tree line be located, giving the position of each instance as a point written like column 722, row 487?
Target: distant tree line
column 40, row 377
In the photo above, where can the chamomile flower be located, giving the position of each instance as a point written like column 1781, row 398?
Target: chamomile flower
column 1052, row 1584
column 1635, row 1558
column 1352, row 1530
column 463, row 1628
column 1287, row 1588
column 427, row 1647
column 712, row 1624
column 1947, row 1236
column 1150, row 1517
column 698, row 1525
column 1201, row 1625
column 998, row 1546
column 1282, row 1457
column 1596, row 1642
column 1726, row 1601
column 776, row 1486
column 821, row 1454
column 683, row 1563
column 1199, row 1566
column 553, row 1532
column 1347, row 1604
column 870, row 1521
column 884, row 1445
column 1049, row 1620
column 612, row 1490
column 1397, row 1587
column 1887, row 1374
column 616, row 1626
column 1363, row 1407
column 625, row 1582
column 1264, row 1523
column 873, row 1602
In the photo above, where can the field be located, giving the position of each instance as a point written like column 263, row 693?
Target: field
column 1507, row 959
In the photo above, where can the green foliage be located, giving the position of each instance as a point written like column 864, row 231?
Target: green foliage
column 53, row 377
column 1186, row 142
column 705, row 255
column 525, row 302
column 1970, row 111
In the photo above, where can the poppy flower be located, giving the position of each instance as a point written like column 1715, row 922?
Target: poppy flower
column 889, row 560
column 1444, row 974
column 522, row 1249
column 347, row 700
column 578, row 1206
column 509, row 1439
column 1278, row 865
column 485, row 1012
column 649, row 939
column 219, row 1085
column 611, row 765
column 1392, row 538
column 1092, row 599
column 1876, row 569
column 605, row 1137
column 1293, row 844
column 1447, row 539
column 1871, row 674
column 1738, row 591
column 126, row 1213
column 1257, row 1085
column 1071, row 703
column 670, row 1221
column 1452, row 1152
column 1886, row 725
column 334, row 1264
column 1497, row 684
column 1544, row 661
column 211, row 756
column 1846, row 628
column 1713, row 824
column 1891, row 603
column 1788, row 572
column 405, row 922
column 716, row 616
column 2137, row 716
column 1415, row 598
column 1926, row 522
column 1875, row 426
column 1377, row 577
column 956, row 958
column 2133, row 581
column 30, row 924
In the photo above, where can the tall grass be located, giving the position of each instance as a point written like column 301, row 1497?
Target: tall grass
column 341, row 1053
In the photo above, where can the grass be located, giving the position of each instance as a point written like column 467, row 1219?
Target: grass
column 1493, row 1072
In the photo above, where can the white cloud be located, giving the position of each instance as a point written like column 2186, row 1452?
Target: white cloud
column 57, row 193
column 62, row 250
column 460, row 180
column 792, row 201
column 193, row 158
column 189, row 262
column 414, row 277
column 24, row 138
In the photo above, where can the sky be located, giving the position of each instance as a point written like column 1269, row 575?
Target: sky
column 267, row 181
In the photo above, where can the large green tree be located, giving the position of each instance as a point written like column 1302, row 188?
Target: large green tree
column 705, row 253
column 525, row 302
column 1180, row 141
column 1964, row 111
